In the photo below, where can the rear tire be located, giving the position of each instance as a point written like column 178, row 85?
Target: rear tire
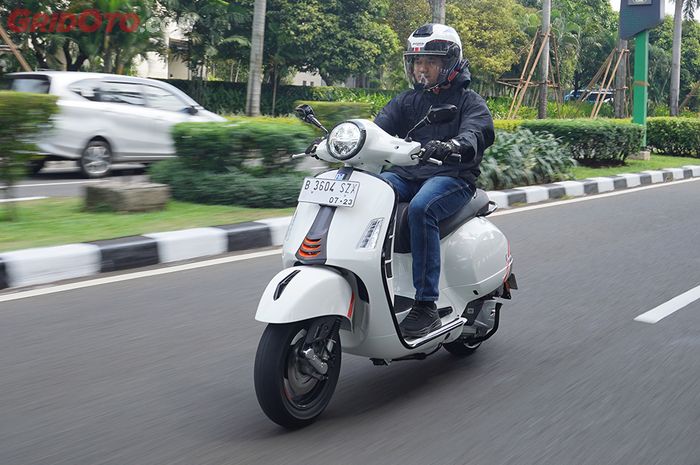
column 286, row 393
column 96, row 161
column 461, row 347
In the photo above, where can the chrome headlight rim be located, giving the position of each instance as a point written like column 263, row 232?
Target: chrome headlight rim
column 358, row 147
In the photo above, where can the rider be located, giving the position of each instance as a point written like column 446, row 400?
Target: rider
column 439, row 75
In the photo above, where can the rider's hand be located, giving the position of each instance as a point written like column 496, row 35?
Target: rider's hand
column 312, row 148
column 438, row 150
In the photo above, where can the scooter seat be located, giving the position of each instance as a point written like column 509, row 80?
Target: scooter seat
column 477, row 206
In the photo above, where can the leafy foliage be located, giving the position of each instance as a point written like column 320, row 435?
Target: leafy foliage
column 220, row 147
column 234, row 187
column 593, row 142
column 521, row 158
column 332, row 113
column 674, row 136
column 22, row 117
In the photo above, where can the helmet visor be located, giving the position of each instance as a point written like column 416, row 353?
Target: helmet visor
column 428, row 70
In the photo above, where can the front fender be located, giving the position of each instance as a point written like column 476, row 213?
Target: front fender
column 302, row 292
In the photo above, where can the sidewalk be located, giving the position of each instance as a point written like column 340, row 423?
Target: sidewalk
column 45, row 265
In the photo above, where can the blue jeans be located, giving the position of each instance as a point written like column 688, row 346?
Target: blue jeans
column 431, row 201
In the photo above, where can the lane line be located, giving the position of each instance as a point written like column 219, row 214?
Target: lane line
column 137, row 275
column 19, row 186
column 662, row 311
column 22, row 199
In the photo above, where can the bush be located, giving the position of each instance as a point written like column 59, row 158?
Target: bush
column 230, row 97
column 593, row 142
column 332, row 113
column 218, row 147
column 522, row 158
column 22, row 117
column 674, row 136
column 234, row 187
column 509, row 125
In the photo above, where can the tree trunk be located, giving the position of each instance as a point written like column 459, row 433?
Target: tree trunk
column 544, row 63
column 252, row 107
column 275, row 79
column 676, row 57
column 620, row 83
column 107, row 55
column 438, row 11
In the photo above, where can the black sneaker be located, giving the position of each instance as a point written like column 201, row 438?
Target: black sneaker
column 421, row 320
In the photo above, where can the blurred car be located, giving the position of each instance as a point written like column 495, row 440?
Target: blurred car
column 107, row 118
column 591, row 97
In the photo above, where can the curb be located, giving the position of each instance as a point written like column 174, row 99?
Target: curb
column 44, row 265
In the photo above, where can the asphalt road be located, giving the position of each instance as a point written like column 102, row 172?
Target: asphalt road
column 159, row 370
column 63, row 179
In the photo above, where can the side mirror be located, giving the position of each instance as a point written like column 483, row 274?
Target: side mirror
column 306, row 114
column 441, row 113
column 192, row 110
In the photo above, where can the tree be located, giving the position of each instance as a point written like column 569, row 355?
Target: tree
column 683, row 8
column 437, row 8
column 257, row 41
column 491, row 34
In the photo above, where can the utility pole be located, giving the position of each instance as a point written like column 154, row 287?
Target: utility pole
column 544, row 64
column 252, row 107
column 621, row 82
column 438, row 9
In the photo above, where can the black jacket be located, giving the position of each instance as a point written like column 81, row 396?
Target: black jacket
column 473, row 128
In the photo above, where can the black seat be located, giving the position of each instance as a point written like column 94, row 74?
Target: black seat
column 477, row 206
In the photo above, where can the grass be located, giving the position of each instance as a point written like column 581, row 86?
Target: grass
column 61, row 221
column 657, row 162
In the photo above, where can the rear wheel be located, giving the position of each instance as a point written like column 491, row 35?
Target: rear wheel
column 96, row 161
column 36, row 165
column 462, row 347
column 290, row 391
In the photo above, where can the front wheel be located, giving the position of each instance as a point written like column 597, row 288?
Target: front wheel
column 290, row 391
column 96, row 161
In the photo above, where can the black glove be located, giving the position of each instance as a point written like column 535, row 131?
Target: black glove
column 438, row 150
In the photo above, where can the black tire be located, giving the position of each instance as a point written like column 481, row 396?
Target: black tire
column 461, row 347
column 275, row 365
column 36, row 165
column 96, row 161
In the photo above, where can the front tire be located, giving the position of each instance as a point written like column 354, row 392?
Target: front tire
column 287, row 391
column 36, row 165
column 96, row 161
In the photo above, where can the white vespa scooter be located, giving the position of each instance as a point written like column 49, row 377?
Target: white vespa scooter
column 347, row 278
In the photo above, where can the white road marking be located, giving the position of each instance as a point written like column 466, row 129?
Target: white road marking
column 21, row 199
column 591, row 197
column 218, row 261
column 137, row 275
column 662, row 311
column 57, row 183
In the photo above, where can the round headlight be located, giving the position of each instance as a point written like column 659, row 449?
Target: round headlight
column 345, row 140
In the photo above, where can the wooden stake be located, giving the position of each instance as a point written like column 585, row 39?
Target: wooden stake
column 14, row 49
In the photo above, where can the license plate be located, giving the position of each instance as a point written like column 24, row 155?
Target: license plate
column 329, row 192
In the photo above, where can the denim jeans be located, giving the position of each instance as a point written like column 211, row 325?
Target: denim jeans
column 431, row 200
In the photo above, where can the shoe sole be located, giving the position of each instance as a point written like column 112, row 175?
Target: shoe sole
column 423, row 332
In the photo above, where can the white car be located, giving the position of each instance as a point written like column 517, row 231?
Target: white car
column 108, row 118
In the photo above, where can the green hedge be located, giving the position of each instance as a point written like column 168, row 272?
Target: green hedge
column 23, row 117
column 521, row 158
column 332, row 113
column 232, row 188
column 218, row 147
column 674, row 136
column 593, row 142
column 229, row 97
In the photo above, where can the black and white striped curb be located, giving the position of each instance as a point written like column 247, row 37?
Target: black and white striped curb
column 50, row 264
column 43, row 265
column 599, row 185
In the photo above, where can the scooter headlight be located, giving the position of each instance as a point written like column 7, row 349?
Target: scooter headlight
column 345, row 140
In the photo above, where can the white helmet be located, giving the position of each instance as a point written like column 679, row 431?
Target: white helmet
column 434, row 40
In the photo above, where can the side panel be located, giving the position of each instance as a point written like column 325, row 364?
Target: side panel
column 304, row 292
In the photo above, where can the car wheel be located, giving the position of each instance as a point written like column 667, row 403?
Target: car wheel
column 34, row 166
column 96, row 161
